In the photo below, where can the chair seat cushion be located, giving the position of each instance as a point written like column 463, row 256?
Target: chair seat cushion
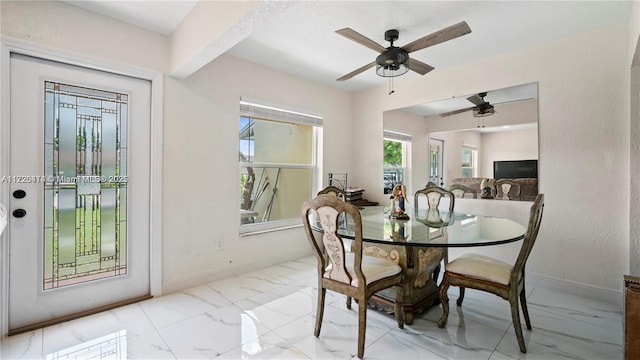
column 481, row 267
column 373, row 268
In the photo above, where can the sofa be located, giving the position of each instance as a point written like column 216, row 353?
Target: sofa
column 528, row 186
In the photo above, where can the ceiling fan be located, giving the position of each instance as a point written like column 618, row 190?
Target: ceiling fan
column 393, row 60
column 482, row 108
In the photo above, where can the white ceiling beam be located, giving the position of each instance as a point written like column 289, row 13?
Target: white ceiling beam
column 213, row 27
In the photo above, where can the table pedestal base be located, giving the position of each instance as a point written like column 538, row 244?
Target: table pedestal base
column 421, row 267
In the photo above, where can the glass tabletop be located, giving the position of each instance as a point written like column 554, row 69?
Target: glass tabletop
column 429, row 228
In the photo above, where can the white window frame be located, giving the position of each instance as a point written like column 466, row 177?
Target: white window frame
column 474, row 160
column 259, row 111
column 405, row 140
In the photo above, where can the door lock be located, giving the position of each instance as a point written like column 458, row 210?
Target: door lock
column 19, row 213
column 19, row 194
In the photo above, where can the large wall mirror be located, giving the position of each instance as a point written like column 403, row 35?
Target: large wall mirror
column 491, row 134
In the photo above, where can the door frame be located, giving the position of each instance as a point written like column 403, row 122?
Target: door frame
column 8, row 46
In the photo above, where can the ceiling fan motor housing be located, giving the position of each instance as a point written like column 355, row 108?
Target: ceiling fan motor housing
column 392, row 58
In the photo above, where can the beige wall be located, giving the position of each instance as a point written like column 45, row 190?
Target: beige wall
column 634, row 95
column 201, row 166
column 584, row 137
column 201, row 195
column 582, row 143
column 511, row 145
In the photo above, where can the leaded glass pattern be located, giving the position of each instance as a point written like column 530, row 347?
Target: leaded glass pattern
column 85, row 187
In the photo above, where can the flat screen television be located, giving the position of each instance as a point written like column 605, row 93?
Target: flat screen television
column 514, row 169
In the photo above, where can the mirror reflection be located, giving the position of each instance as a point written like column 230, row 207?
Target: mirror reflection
column 471, row 140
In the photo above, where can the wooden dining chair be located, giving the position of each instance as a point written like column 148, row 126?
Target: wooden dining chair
column 491, row 275
column 330, row 189
column 462, row 191
column 434, row 194
column 350, row 273
column 507, row 189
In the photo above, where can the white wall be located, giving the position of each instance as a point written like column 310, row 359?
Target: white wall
column 200, row 136
column 584, row 125
column 634, row 94
column 508, row 145
column 201, row 166
column 60, row 26
column 452, row 152
column 582, row 144
column 413, row 125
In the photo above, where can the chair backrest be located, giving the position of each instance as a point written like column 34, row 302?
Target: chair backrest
column 530, row 236
column 333, row 190
column 328, row 209
column 506, row 188
column 461, row 191
column 434, row 194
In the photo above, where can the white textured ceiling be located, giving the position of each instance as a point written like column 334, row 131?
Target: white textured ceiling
column 302, row 39
column 161, row 16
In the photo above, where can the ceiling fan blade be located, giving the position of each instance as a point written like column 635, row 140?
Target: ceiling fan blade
column 357, row 71
column 419, row 67
column 361, row 39
column 438, row 37
column 454, row 112
column 476, row 99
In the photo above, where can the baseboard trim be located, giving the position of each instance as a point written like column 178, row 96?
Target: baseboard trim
column 234, row 269
column 78, row 315
column 609, row 296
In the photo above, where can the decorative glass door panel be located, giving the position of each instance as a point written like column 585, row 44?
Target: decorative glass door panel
column 85, row 187
column 435, row 161
column 81, row 241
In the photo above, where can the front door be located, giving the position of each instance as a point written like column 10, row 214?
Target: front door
column 79, row 191
column 436, row 147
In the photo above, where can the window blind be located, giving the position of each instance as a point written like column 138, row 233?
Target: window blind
column 398, row 136
column 266, row 112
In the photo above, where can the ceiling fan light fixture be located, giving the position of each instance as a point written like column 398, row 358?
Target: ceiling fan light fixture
column 482, row 112
column 391, row 70
column 392, row 62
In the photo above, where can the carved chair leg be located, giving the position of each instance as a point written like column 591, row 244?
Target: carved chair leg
column 320, row 310
column 461, row 297
column 525, row 311
column 515, row 315
column 362, row 325
column 399, row 308
column 444, row 299
column 523, row 302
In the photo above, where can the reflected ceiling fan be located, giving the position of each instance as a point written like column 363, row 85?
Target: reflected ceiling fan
column 395, row 61
column 482, row 108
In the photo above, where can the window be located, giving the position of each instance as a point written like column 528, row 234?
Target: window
column 469, row 161
column 277, row 157
column 395, row 160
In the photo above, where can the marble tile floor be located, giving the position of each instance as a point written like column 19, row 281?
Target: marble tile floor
column 270, row 314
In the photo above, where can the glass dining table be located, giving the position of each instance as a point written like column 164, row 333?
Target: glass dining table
column 419, row 245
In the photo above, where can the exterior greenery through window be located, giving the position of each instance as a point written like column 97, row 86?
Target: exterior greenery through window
column 394, row 160
column 277, row 168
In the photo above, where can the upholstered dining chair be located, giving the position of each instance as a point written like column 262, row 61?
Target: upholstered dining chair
column 507, row 189
column 484, row 273
column 461, row 191
column 342, row 195
column 350, row 273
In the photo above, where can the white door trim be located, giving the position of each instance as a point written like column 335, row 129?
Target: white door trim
column 11, row 45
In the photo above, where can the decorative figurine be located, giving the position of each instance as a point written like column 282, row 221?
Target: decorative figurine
column 486, row 187
column 397, row 203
